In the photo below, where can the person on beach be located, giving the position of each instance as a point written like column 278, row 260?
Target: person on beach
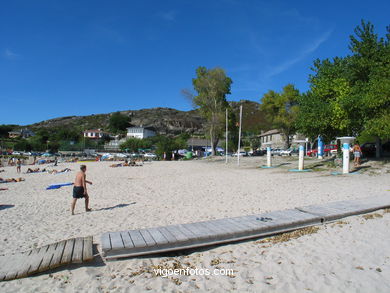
column 80, row 188
column 357, row 151
column 18, row 166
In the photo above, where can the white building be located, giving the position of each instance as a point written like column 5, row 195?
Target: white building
column 95, row 133
column 140, row 132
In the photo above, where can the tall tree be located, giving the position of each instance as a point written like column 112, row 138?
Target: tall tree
column 281, row 110
column 212, row 86
column 118, row 122
column 350, row 95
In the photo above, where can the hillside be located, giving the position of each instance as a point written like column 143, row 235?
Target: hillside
column 164, row 120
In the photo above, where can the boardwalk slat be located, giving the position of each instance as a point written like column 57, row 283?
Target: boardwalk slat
column 203, row 233
column 177, row 233
column 126, row 239
column 148, row 238
column 77, row 256
column 68, row 250
column 168, row 235
column 87, row 248
column 47, row 258
column 41, row 259
column 56, row 260
column 116, row 240
column 16, row 265
column 157, row 236
column 187, row 232
column 137, row 238
column 106, row 242
column 37, row 259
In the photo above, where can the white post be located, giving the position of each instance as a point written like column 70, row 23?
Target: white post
column 345, row 158
column 239, row 138
column 346, row 140
column 301, row 154
column 269, row 162
column 226, row 145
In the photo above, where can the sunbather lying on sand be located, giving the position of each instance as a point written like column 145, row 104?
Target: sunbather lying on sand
column 3, row 188
column 36, row 170
column 115, row 165
column 61, row 171
column 11, row 180
column 2, row 171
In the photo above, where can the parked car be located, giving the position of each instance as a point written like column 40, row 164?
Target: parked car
column 368, row 149
column 276, row 152
column 243, row 154
column 15, row 153
column 289, row 152
column 259, row 153
column 328, row 148
column 150, row 156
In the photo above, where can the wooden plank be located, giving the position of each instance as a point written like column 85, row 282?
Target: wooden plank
column 16, row 264
column 77, row 256
column 148, row 238
column 116, row 240
column 157, row 236
column 217, row 231
column 137, row 238
column 168, row 235
column 177, row 233
column 37, row 259
column 56, row 260
column 242, row 226
column 127, row 242
column 87, row 248
column 198, row 231
column 191, row 235
column 106, row 242
column 206, row 233
column 226, row 226
column 47, row 258
column 68, row 250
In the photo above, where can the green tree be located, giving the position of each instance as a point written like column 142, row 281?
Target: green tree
column 350, row 95
column 281, row 109
column 167, row 145
column 212, row 86
column 118, row 122
column 133, row 144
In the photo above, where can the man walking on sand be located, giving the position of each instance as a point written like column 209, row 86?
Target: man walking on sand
column 80, row 188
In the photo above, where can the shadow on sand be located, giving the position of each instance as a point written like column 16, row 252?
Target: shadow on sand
column 121, row 205
column 6, row 206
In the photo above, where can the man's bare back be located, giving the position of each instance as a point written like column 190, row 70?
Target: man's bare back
column 80, row 179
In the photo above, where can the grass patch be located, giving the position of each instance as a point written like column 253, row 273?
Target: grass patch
column 289, row 235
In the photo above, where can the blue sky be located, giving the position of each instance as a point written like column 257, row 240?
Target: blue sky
column 62, row 58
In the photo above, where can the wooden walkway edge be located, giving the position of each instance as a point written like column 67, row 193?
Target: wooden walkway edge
column 178, row 237
column 75, row 250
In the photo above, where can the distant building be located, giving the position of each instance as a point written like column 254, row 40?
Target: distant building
column 194, row 143
column 24, row 133
column 277, row 138
column 140, row 132
column 95, row 133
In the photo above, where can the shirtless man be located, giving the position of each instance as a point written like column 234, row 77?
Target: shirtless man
column 80, row 188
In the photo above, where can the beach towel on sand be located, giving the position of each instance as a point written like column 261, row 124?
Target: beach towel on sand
column 56, row 186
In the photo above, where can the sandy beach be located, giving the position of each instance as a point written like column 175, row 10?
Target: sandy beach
column 351, row 255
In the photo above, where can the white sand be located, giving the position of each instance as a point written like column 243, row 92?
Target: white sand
column 352, row 257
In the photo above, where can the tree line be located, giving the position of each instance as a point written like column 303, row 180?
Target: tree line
column 348, row 96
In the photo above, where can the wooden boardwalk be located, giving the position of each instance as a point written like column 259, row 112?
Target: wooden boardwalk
column 177, row 237
column 75, row 250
